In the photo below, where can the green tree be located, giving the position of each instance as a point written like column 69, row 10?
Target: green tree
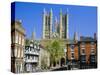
column 56, row 51
column 27, row 42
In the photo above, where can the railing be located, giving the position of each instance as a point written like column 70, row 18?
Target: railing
column 32, row 52
column 31, row 60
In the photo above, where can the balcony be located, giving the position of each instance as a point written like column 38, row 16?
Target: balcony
column 32, row 52
column 31, row 60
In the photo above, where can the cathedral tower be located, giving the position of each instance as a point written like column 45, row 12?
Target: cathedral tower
column 60, row 33
column 47, row 24
column 51, row 18
column 44, row 17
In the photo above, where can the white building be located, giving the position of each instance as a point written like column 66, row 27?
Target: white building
column 32, row 57
column 44, row 58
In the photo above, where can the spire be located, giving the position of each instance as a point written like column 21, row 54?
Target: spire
column 51, row 10
column 67, row 10
column 43, row 30
column 67, row 23
column 60, row 23
column 44, row 11
column 51, row 18
column 56, row 24
column 32, row 38
column 60, row 11
column 75, row 37
column 33, row 35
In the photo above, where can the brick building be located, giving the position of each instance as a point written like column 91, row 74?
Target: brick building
column 82, row 52
column 88, row 52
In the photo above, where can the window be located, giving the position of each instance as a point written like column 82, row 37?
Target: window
column 83, row 59
column 19, row 52
column 19, row 38
column 72, row 55
column 83, row 51
column 22, row 52
column 92, row 51
column 15, row 52
column 92, row 45
column 35, row 46
column 22, row 41
column 20, row 67
column 33, row 57
column 16, row 38
column 29, row 67
column 31, row 48
column 83, row 45
column 93, row 58
column 28, row 57
column 72, row 47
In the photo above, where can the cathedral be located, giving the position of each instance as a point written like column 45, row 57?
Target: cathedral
column 60, row 25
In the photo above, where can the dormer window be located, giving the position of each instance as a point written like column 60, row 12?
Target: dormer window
column 83, row 51
column 72, row 48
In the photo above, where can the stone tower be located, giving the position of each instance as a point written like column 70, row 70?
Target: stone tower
column 60, row 32
column 47, row 24
column 75, row 37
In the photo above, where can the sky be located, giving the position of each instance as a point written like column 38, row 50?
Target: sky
column 82, row 19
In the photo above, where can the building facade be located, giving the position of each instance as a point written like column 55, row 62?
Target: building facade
column 61, row 27
column 32, row 57
column 82, row 52
column 17, row 47
column 73, row 52
column 44, row 58
column 88, row 52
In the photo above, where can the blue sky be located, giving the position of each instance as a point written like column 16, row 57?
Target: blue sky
column 82, row 19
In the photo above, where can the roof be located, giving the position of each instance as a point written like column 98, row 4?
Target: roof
column 88, row 39
column 17, row 25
